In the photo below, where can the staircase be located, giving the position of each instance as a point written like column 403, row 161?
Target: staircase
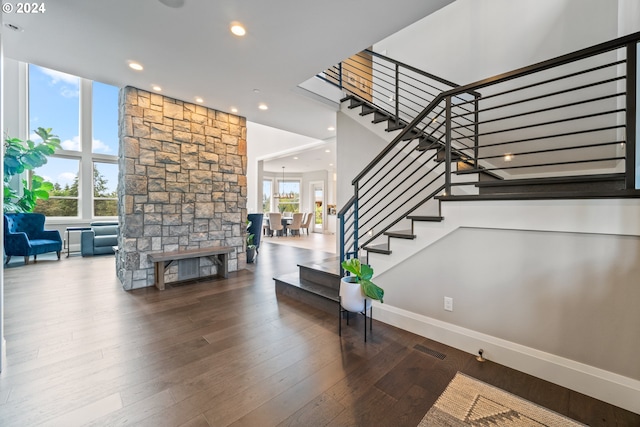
column 559, row 129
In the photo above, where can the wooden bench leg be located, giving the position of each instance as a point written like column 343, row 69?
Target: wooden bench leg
column 223, row 267
column 159, row 274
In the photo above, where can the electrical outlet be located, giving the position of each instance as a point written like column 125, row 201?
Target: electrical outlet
column 448, row 304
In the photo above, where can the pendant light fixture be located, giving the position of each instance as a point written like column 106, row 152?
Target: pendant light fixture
column 281, row 194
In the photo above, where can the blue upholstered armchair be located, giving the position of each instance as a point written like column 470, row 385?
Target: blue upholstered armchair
column 24, row 235
column 255, row 228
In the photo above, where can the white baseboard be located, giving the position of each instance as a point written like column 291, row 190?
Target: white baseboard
column 603, row 385
column 3, row 354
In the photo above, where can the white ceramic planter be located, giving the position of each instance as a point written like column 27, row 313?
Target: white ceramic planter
column 351, row 296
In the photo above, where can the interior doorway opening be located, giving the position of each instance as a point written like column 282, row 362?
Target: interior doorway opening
column 318, row 204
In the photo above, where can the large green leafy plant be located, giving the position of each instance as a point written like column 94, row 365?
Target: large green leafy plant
column 364, row 273
column 20, row 156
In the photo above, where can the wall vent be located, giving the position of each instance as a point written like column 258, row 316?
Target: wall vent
column 430, row 352
column 188, row 269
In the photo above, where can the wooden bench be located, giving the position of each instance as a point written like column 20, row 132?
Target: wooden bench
column 219, row 255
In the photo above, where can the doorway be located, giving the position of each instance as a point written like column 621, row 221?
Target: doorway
column 317, row 204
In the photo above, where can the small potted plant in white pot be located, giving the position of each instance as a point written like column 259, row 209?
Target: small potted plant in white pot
column 357, row 290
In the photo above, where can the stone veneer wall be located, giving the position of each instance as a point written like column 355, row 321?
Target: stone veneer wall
column 182, row 183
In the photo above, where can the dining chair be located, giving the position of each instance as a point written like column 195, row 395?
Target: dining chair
column 275, row 223
column 296, row 224
column 307, row 222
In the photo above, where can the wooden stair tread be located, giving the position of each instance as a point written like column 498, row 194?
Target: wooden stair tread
column 380, row 117
column 382, row 248
column 367, row 109
column 330, row 265
column 395, row 126
column 401, row 234
column 425, row 218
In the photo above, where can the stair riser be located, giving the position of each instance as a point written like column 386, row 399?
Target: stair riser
column 605, row 186
column 329, row 280
column 305, row 297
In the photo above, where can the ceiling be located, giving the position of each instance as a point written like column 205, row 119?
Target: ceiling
column 189, row 51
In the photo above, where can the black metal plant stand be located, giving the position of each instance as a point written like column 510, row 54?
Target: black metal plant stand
column 363, row 312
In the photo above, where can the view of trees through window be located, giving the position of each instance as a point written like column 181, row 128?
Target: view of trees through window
column 63, row 201
column 289, row 204
column 282, row 205
column 56, row 101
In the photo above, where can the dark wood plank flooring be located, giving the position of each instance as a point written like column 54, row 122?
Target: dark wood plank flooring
column 81, row 351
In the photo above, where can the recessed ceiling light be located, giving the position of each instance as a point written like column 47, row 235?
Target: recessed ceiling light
column 295, row 158
column 136, row 66
column 172, row 3
column 508, row 157
column 331, row 128
column 238, row 29
column 256, row 91
column 156, row 88
column 200, row 100
column 234, row 110
column 327, row 151
column 263, row 107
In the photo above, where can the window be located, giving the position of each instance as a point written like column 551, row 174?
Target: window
column 266, row 195
column 289, row 204
column 63, row 200
column 105, row 189
column 105, row 119
column 54, row 102
column 85, row 171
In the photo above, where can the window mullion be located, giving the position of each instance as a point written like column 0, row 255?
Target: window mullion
column 86, row 162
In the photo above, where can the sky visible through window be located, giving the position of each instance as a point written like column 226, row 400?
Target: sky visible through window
column 54, row 102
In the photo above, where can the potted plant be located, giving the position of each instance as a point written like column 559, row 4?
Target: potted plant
column 357, row 290
column 20, row 156
column 251, row 248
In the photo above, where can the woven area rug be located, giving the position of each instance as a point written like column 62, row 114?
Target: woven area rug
column 469, row 402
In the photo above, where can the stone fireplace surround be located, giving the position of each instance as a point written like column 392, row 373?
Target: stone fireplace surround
column 182, row 183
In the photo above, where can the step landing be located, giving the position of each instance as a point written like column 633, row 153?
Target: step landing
column 315, row 284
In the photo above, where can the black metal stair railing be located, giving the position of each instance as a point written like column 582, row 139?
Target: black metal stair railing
column 571, row 119
column 398, row 89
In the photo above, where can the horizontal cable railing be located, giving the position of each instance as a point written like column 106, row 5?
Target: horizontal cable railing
column 571, row 119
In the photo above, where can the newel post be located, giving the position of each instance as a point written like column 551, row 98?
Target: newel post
column 632, row 160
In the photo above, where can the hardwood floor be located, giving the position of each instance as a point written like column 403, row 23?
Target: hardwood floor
column 81, row 351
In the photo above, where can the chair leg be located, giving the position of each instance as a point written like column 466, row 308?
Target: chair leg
column 26, row 260
column 8, row 259
column 58, row 253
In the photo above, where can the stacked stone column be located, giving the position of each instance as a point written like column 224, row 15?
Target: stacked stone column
column 182, row 183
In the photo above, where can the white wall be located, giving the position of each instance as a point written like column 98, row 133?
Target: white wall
column 356, row 147
column 470, row 40
column 546, row 287
column 628, row 17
